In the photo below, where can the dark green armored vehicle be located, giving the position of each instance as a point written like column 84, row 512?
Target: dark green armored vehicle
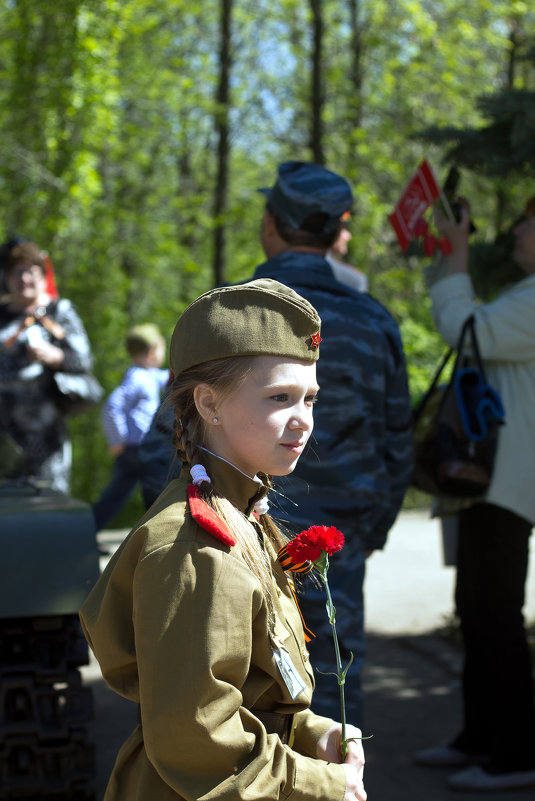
column 48, row 563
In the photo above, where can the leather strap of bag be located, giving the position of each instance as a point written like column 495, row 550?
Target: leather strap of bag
column 39, row 316
column 421, row 406
column 468, row 328
column 46, row 318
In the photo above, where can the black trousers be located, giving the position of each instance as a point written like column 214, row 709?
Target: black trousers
column 499, row 713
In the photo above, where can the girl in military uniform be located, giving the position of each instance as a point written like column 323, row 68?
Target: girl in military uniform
column 194, row 618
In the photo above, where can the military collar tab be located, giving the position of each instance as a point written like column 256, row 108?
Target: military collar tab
column 207, row 519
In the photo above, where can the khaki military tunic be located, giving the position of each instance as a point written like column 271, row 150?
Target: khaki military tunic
column 179, row 624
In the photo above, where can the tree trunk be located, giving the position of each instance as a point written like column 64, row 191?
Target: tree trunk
column 222, row 132
column 317, row 96
column 502, row 195
column 355, row 100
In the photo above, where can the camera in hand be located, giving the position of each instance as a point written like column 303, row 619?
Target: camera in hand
column 450, row 191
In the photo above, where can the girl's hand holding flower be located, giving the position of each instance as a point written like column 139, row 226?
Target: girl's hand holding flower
column 329, row 749
column 329, row 746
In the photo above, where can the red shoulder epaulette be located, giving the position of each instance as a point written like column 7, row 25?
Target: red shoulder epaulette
column 207, row 518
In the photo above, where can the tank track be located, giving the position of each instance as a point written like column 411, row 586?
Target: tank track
column 47, row 750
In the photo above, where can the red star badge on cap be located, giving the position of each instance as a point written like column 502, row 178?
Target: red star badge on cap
column 315, row 340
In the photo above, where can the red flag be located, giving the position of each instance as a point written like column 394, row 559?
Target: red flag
column 50, row 276
column 420, row 193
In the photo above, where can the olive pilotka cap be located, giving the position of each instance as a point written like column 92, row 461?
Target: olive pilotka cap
column 260, row 318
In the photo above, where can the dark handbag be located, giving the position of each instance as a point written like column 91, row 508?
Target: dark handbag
column 77, row 392
column 456, row 427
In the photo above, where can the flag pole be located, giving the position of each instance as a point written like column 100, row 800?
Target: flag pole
column 446, row 206
column 444, row 200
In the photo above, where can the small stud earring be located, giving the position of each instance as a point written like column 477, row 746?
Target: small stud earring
column 215, row 419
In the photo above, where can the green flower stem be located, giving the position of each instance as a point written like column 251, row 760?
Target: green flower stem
column 322, row 566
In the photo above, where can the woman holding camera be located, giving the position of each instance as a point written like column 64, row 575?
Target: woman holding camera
column 496, row 745
column 39, row 335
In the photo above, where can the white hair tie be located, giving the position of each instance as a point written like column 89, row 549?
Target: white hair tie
column 199, row 474
column 261, row 507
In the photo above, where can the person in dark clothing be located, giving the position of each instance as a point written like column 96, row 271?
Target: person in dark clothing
column 355, row 472
column 157, row 455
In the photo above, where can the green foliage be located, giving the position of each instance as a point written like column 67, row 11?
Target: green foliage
column 500, row 151
column 108, row 154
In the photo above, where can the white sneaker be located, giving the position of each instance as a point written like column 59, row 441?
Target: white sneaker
column 477, row 779
column 444, row 756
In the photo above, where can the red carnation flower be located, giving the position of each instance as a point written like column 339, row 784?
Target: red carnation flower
column 315, row 545
column 308, row 545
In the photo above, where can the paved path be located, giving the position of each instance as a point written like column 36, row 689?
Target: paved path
column 411, row 680
column 408, row 588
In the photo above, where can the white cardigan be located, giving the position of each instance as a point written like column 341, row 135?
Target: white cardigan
column 506, row 336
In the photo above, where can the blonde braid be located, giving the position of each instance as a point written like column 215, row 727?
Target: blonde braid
column 188, row 429
column 185, row 449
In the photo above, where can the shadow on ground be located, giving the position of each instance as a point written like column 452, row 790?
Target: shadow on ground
column 412, row 701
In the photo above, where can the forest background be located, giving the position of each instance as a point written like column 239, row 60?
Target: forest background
column 136, row 132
